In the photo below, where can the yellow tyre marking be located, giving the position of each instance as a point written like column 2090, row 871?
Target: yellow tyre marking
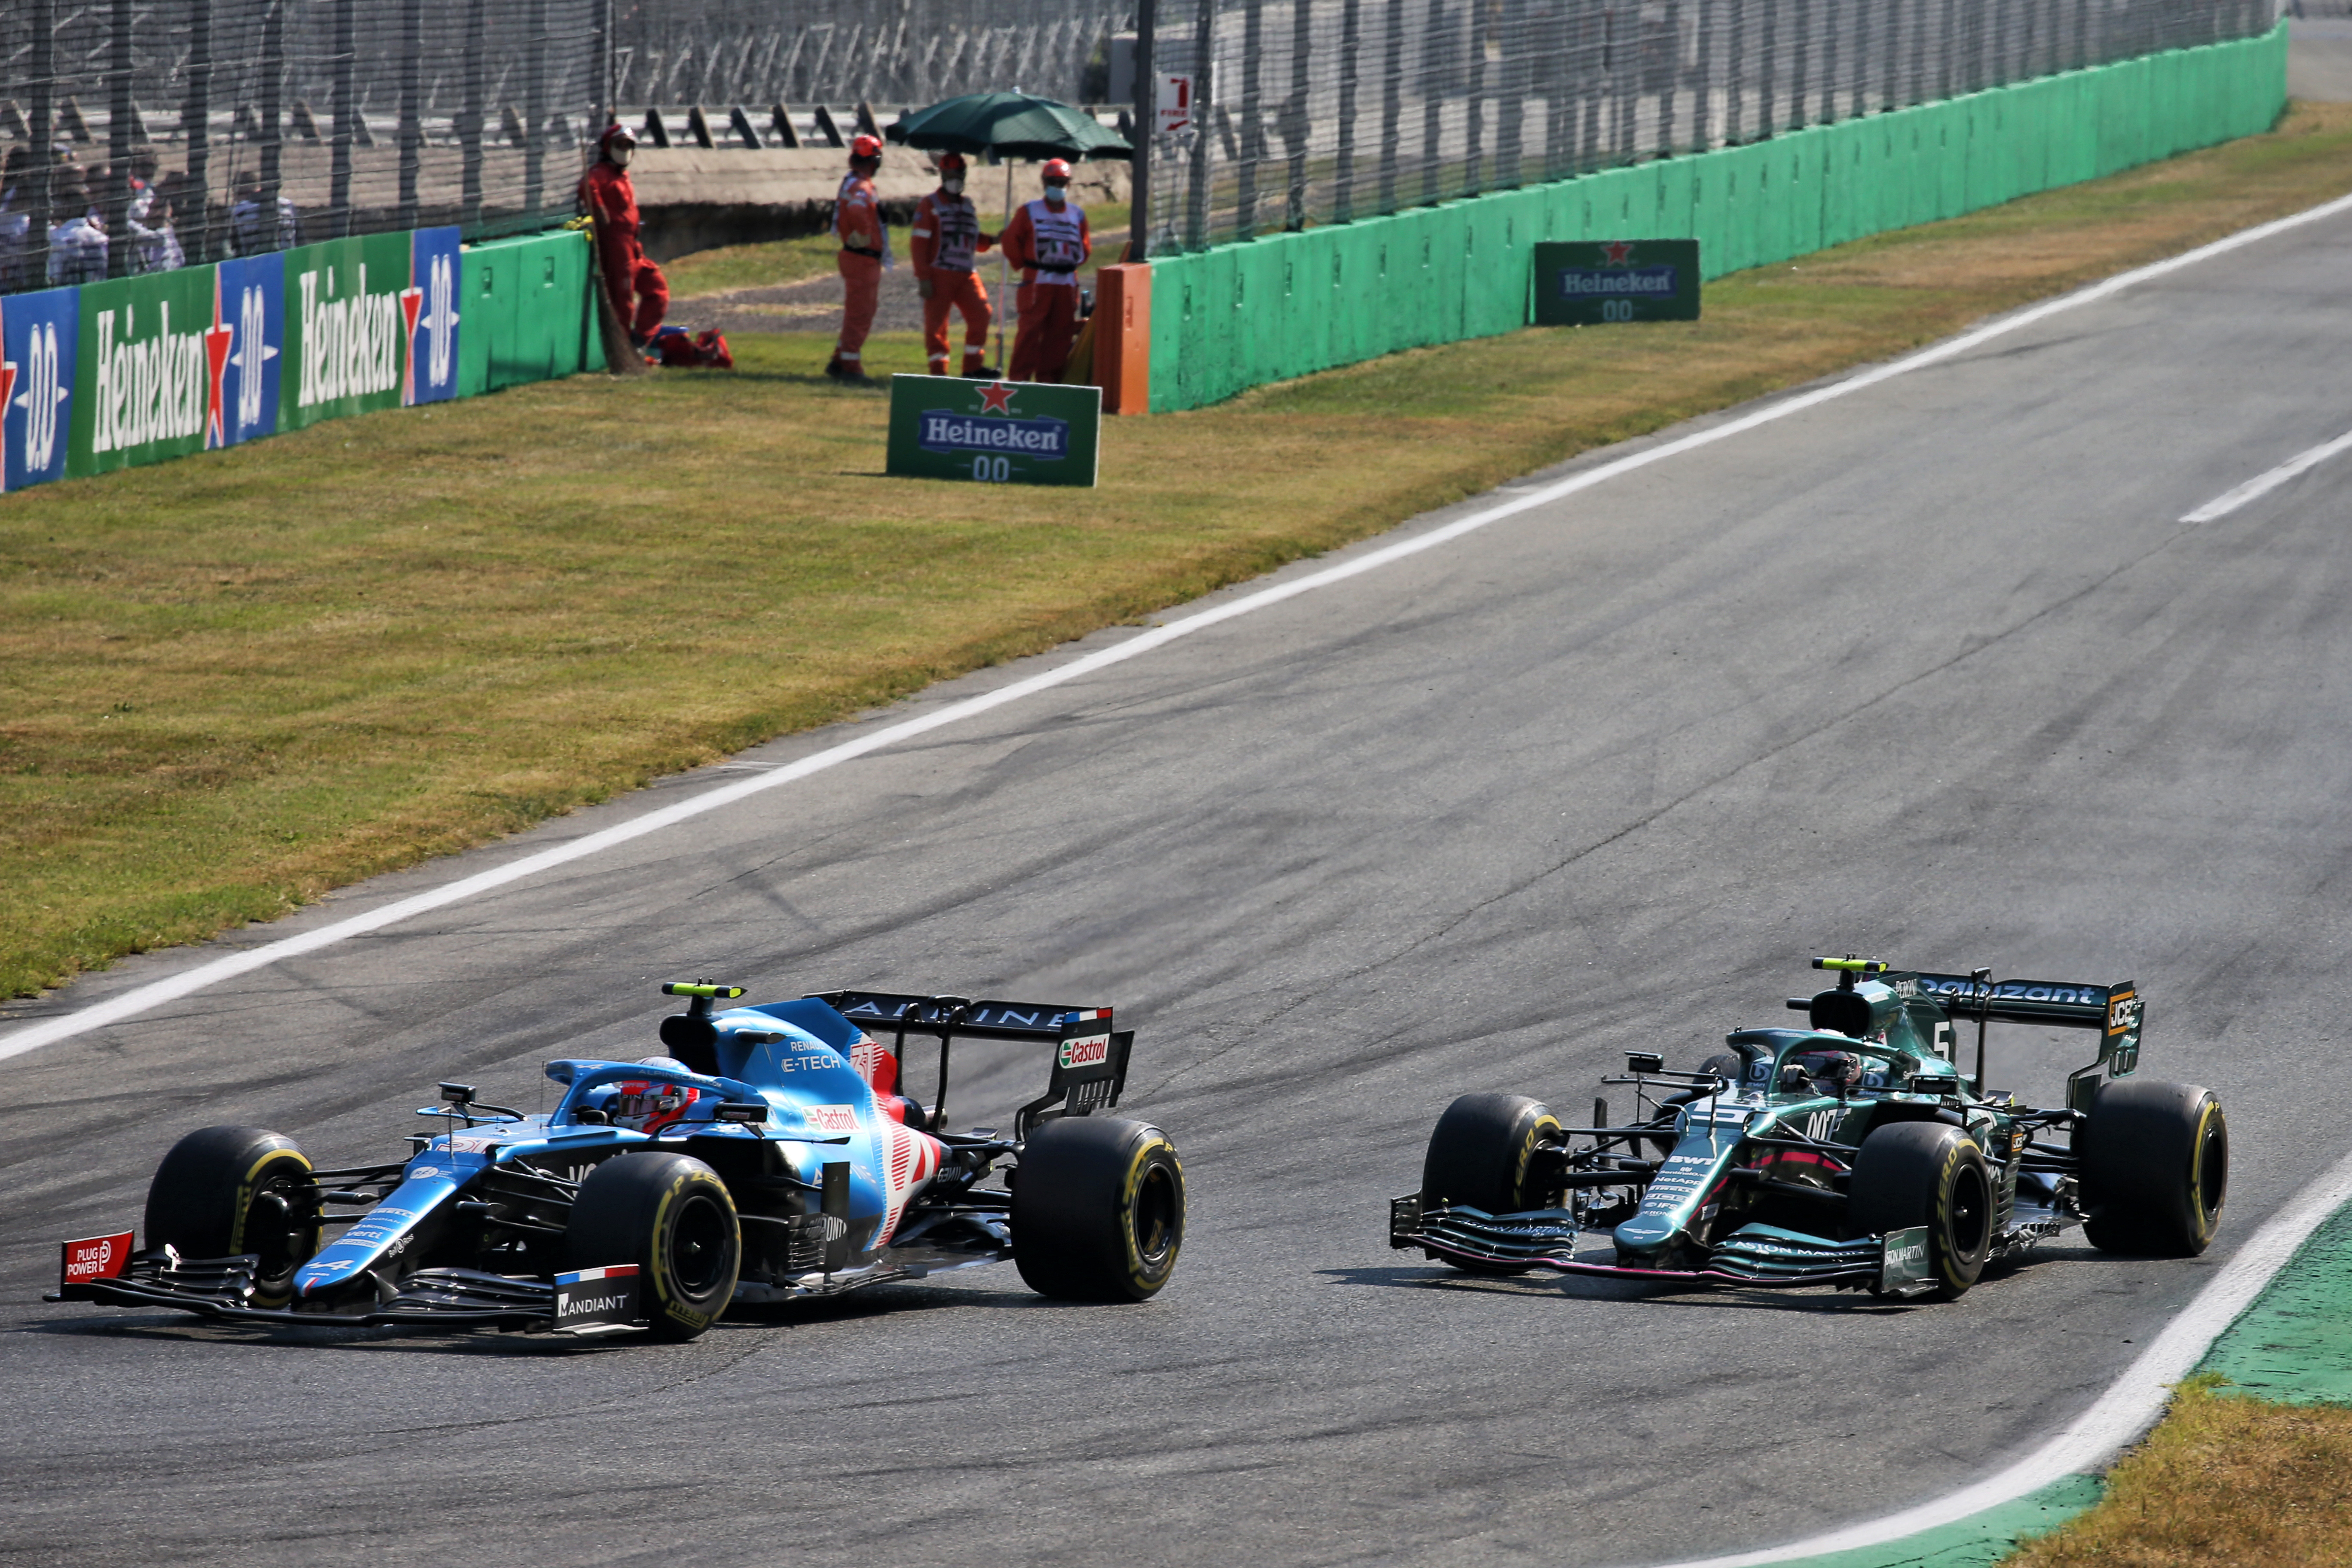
column 249, row 1188
column 1129, row 1235
column 686, row 1316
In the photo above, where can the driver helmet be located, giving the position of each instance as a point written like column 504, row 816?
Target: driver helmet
column 650, row 1105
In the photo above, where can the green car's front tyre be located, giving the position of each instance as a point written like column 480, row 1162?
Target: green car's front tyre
column 673, row 1217
column 1927, row 1173
column 2155, row 1164
column 1098, row 1209
column 1483, row 1155
column 225, row 1191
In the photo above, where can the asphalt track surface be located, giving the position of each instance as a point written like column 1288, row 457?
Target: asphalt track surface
column 1930, row 672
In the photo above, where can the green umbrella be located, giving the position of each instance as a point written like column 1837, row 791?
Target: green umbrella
column 1009, row 124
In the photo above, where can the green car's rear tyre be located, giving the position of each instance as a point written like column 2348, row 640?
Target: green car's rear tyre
column 1483, row 1155
column 1927, row 1173
column 2154, row 1161
column 1098, row 1209
column 225, row 1191
column 672, row 1217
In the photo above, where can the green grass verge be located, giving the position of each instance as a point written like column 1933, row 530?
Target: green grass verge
column 229, row 683
column 2224, row 1482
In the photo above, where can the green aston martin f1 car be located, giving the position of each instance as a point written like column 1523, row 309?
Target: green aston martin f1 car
column 1853, row 1152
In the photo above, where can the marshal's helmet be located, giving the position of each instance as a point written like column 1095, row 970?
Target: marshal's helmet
column 1057, row 171
column 615, row 135
column 865, row 146
column 950, row 164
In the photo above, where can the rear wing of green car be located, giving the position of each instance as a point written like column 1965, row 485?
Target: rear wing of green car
column 2115, row 1011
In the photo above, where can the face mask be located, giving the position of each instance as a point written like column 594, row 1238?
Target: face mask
column 953, row 185
column 1056, row 195
column 623, row 153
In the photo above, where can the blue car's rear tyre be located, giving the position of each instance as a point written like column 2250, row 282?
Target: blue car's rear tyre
column 1927, row 1173
column 225, row 1191
column 673, row 1217
column 2153, row 1162
column 1098, row 1209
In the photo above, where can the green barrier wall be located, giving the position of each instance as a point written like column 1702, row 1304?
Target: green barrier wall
column 1238, row 316
column 524, row 310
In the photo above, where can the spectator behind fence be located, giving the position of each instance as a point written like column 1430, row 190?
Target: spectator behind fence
column 78, row 244
column 16, row 219
column 156, row 222
column 147, row 220
column 249, row 228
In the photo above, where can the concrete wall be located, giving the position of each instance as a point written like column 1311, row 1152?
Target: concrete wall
column 1239, row 316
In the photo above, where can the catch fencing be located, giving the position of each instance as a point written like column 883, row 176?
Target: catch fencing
column 1311, row 112
column 249, row 125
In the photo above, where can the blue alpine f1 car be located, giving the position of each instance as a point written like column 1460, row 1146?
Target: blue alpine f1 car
column 1855, row 1152
column 768, row 1155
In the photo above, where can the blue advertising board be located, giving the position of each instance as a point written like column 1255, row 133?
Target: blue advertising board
column 37, row 337
column 250, row 304
column 432, row 304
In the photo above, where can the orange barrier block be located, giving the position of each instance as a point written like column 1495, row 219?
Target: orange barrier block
column 1122, row 322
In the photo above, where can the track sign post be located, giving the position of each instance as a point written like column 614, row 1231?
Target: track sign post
column 1006, row 432
column 1583, row 284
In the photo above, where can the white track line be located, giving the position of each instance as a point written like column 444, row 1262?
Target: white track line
column 145, row 998
column 2261, row 485
column 2120, row 1414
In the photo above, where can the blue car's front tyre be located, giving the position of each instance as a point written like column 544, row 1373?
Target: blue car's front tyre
column 673, row 1217
column 230, row 1191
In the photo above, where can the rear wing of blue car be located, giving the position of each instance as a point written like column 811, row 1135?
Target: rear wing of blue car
column 1089, row 1057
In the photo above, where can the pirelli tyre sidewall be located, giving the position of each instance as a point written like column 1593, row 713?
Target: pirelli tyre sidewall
column 1098, row 1209
column 673, row 1217
column 225, row 1192
column 1482, row 1154
column 1927, row 1173
column 2154, row 1164
column 1483, row 1151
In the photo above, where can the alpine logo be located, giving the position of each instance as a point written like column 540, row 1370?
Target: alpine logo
column 833, row 1120
column 1087, row 1051
column 98, row 1257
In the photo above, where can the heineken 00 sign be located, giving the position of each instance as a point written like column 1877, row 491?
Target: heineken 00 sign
column 1003, row 432
column 1581, row 284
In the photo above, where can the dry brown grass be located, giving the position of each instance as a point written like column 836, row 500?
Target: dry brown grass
column 229, row 683
column 2225, row 1482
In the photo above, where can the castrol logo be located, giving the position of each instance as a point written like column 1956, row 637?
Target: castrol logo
column 1087, row 1051
column 833, row 1120
column 98, row 1258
